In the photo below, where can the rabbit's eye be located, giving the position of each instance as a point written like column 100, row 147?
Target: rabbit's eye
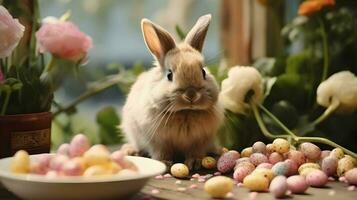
column 204, row 74
column 169, row 75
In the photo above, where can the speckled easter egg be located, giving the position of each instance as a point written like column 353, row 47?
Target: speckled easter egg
column 311, row 151
column 296, row 156
column 280, row 168
column 179, row 170
column 293, row 167
column 241, row 172
column 219, row 186
column 227, row 161
column 337, row 153
column 247, row 152
column 244, row 159
column 264, row 165
column 317, row 178
column 343, row 165
column 256, row 182
column 278, row 186
column 259, row 147
column 329, row 165
column 209, row 162
column 281, row 145
column 267, row 173
column 245, row 164
column 297, row 184
column 324, row 154
column 351, row 176
column 308, row 165
column 270, row 148
column 258, row 158
column 275, row 157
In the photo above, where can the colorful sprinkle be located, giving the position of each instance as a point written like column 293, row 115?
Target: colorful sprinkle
column 331, row 192
column 178, row 182
column 155, row 191
column 193, row 186
column 181, row 189
column 159, row 177
column 351, row 188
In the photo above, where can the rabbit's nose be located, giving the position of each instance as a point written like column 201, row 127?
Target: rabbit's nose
column 190, row 95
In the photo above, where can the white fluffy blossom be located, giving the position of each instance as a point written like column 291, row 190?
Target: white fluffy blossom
column 236, row 86
column 339, row 88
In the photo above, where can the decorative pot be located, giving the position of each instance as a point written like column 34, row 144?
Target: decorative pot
column 30, row 132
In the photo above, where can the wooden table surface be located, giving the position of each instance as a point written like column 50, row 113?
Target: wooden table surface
column 168, row 189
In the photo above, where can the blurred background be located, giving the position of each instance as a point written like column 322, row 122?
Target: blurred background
column 269, row 34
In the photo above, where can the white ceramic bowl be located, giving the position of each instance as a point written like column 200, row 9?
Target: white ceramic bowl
column 36, row 187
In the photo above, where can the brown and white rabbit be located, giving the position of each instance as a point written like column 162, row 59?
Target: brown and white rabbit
column 172, row 109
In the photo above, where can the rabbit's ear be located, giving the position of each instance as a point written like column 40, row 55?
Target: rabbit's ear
column 158, row 40
column 197, row 34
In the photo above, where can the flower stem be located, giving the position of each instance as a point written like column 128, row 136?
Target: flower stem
column 6, row 102
column 331, row 109
column 325, row 50
column 261, row 124
column 50, row 64
column 278, row 122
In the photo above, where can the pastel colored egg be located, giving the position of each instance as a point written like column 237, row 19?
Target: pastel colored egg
column 293, row 167
column 209, row 162
column 281, row 145
column 275, row 157
column 57, row 162
column 96, row 170
column 343, row 165
column 280, row 168
column 258, row 158
column 329, row 165
column 267, row 173
column 264, row 165
column 256, row 182
column 307, row 171
column 311, row 151
column 240, row 160
column 20, row 163
column 324, row 154
column 96, row 157
column 218, row 186
column 179, row 170
column 247, row 152
column 317, row 178
column 296, row 156
column 72, row 168
column 308, row 165
column 259, row 147
column 78, row 145
column 337, row 153
column 297, row 184
column 63, row 149
column 241, row 172
column 227, row 161
column 351, row 176
column 270, row 148
column 278, row 186
column 245, row 164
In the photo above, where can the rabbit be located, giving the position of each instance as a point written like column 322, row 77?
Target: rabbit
column 172, row 110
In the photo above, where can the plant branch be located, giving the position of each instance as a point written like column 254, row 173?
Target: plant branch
column 6, row 102
column 95, row 89
column 50, row 64
column 325, row 50
column 331, row 109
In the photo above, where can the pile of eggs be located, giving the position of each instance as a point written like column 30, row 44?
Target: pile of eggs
column 277, row 167
column 78, row 158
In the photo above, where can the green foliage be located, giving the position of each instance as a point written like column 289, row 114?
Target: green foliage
column 108, row 120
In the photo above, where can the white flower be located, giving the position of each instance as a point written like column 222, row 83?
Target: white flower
column 236, row 86
column 11, row 31
column 339, row 88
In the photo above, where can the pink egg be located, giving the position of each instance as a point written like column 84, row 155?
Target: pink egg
column 296, row 156
column 278, row 186
column 258, row 158
column 241, row 172
column 37, row 168
column 45, row 159
column 72, row 168
column 227, row 161
column 259, row 147
column 310, row 150
column 264, row 165
column 351, row 176
column 297, row 184
column 244, row 159
column 329, row 165
column 275, row 157
column 78, row 145
column 324, row 154
column 57, row 162
column 119, row 158
column 63, row 149
column 316, row 178
column 293, row 167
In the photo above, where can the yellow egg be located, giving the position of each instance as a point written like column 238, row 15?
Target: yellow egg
column 337, row 153
column 20, row 163
column 306, row 171
column 247, row 152
column 218, row 186
column 96, row 157
column 281, row 145
column 223, row 150
column 113, row 167
column 209, row 162
column 81, row 161
column 179, row 170
column 270, row 148
column 308, row 165
column 343, row 165
column 96, row 170
column 267, row 173
column 256, row 182
column 354, row 161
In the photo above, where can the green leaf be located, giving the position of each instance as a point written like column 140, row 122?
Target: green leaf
column 108, row 121
column 180, row 33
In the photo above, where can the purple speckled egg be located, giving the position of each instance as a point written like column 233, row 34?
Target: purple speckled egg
column 293, row 167
column 311, row 151
column 241, row 172
column 259, row 147
column 227, row 161
column 297, row 184
column 351, row 176
column 264, row 165
column 329, row 165
column 278, row 186
column 297, row 156
column 275, row 157
column 316, row 178
column 258, row 158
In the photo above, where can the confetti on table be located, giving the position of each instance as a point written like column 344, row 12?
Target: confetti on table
column 193, row 186
column 201, row 180
column 167, row 175
column 178, row 182
column 207, row 176
column 159, row 177
column 181, row 189
column 229, row 195
column 192, row 179
column 342, row 179
column 196, row 175
column 331, row 192
column 331, row 178
column 155, row 191
column 240, row 184
column 288, row 193
column 217, row 173
column 351, row 188
column 253, row 195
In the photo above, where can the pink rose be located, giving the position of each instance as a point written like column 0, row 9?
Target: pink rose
column 11, row 31
column 63, row 39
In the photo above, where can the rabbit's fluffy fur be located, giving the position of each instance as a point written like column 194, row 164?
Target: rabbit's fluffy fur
column 178, row 117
